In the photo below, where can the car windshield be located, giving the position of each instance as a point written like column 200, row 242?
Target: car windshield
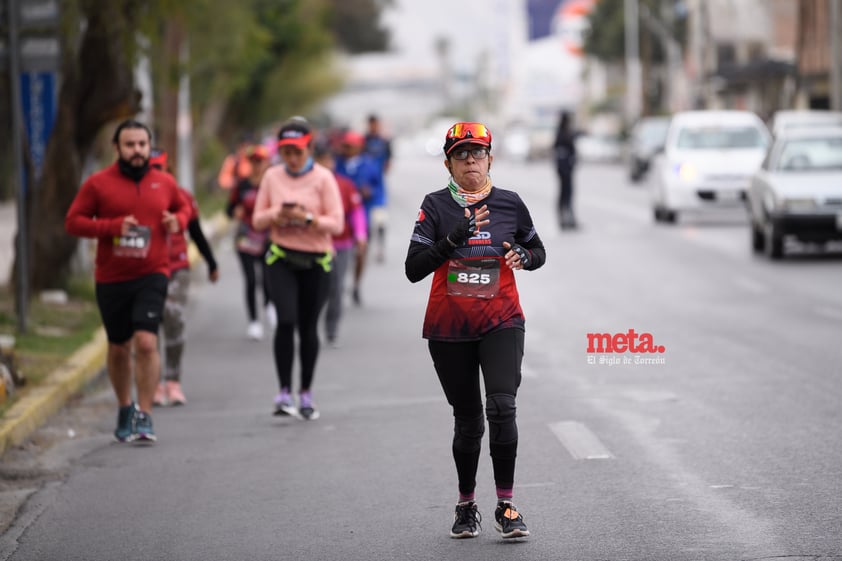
column 712, row 138
column 811, row 154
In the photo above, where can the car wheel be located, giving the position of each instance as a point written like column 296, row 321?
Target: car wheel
column 774, row 245
column 758, row 240
column 656, row 213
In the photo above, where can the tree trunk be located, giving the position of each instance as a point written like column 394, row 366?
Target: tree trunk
column 97, row 87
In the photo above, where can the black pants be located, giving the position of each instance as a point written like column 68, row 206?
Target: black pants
column 299, row 296
column 499, row 356
column 251, row 264
column 565, row 192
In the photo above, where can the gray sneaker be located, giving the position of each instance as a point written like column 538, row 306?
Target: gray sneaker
column 144, row 433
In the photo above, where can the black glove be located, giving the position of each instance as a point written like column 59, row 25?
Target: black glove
column 523, row 254
column 464, row 229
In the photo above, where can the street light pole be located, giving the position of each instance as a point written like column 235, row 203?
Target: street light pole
column 633, row 70
column 22, row 246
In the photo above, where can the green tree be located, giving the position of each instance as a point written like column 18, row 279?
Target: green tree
column 249, row 62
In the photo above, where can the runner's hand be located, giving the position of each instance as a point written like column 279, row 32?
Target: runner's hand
column 516, row 256
column 170, row 222
column 128, row 222
column 468, row 225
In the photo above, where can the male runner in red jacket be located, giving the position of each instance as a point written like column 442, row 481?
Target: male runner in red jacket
column 130, row 209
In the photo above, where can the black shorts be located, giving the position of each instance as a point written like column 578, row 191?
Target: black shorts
column 129, row 306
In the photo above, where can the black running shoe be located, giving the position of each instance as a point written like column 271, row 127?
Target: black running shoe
column 508, row 521
column 466, row 523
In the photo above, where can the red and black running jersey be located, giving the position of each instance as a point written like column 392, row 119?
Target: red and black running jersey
column 473, row 292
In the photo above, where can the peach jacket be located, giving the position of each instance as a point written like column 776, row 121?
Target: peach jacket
column 317, row 191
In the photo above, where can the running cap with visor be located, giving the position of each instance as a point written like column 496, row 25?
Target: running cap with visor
column 295, row 133
column 466, row 133
column 158, row 158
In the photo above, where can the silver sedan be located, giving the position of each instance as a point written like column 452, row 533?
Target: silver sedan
column 798, row 191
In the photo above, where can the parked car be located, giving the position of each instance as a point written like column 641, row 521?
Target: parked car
column 798, row 190
column 646, row 139
column 707, row 162
column 787, row 120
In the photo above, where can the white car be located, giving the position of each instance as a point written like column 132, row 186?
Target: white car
column 787, row 120
column 707, row 161
column 798, row 190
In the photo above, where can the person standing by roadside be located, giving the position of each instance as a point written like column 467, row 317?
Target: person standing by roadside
column 299, row 202
column 565, row 162
column 169, row 391
column 380, row 149
column 131, row 209
column 352, row 239
column 472, row 236
column 250, row 243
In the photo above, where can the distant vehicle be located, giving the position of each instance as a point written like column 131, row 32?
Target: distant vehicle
column 599, row 148
column 601, row 141
column 707, row 162
column 787, row 120
column 522, row 141
column 798, row 190
column 646, row 139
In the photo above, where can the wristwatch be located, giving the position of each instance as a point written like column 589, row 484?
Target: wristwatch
column 309, row 218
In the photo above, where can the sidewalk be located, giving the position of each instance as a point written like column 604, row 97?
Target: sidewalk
column 40, row 403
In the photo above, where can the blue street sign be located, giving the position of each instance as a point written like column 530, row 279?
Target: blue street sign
column 38, row 100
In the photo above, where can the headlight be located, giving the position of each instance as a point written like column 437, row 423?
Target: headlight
column 687, row 172
column 798, row 205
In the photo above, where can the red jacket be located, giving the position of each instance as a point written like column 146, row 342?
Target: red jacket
column 178, row 241
column 99, row 208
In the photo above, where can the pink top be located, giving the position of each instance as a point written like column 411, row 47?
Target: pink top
column 316, row 191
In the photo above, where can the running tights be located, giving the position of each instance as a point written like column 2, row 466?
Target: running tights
column 299, row 297
column 458, row 365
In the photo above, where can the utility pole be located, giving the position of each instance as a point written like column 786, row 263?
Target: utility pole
column 184, row 124
column 22, row 248
column 835, row 57
column 634, row 85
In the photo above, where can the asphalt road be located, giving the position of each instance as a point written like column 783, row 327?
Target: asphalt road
column 725, row 447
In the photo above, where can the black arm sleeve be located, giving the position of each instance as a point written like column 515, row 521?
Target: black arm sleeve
column 536, row 250
column 421, row 260
column 202, row 244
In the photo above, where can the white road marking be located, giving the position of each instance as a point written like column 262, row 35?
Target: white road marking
column 580, row 442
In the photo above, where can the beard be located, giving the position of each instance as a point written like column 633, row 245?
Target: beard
column 135, row 167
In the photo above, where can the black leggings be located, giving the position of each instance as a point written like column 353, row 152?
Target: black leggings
column 250, row 265
column 299, row 297
column 499, row 355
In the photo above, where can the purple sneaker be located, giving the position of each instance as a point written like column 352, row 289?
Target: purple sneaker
column 284, row 406
column 307, row 408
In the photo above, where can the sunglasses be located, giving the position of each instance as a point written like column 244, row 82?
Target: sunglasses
column 468, row 130
column 477, row 153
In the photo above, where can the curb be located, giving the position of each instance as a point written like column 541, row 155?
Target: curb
column 30, row 412
column 43, row 401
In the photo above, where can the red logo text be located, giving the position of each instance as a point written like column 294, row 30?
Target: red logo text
column 623, row 342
